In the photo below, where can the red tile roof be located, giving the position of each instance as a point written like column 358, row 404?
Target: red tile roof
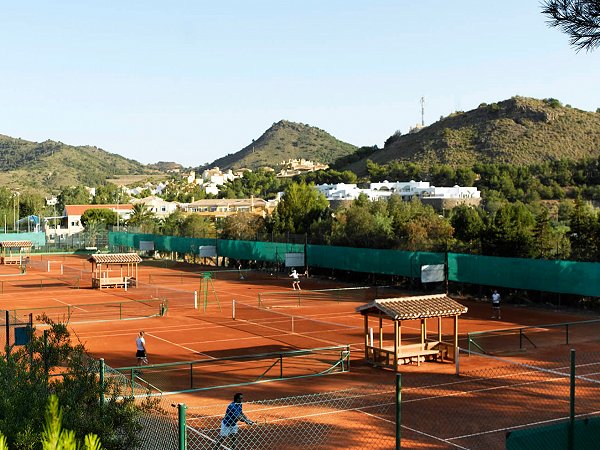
column 421, row 307
column 78, row 210
column 16, row 244
column 115, row 258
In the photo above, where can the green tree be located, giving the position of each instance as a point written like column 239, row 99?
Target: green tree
column 583, row 232
column 171, row 225
column 73, row 195
column 364, row 224
column 55, row 437
column 243, row 225
column 195, row 225
column 104, row 217
column 467, row 223
column 579, row 19
column 109, row 194
column 300, row 206
column 26, row 387
column 509, row 231
column 544, row 240
column 143, row 218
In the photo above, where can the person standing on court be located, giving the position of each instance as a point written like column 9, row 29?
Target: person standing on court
column 229, row 424
column 295, row 280
column 140, row 344
column 496, row 305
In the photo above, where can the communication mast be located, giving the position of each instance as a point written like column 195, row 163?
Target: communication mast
column 422, row 111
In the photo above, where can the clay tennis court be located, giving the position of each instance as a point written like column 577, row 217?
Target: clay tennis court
column 199, row 327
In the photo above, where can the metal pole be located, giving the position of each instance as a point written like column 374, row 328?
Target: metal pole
column 571, row 443
column 398, row 415
column 7, row 333
column 182, row 435
column 102, row 381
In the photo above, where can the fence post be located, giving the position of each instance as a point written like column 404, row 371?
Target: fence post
column 281, row 366
column 233, row 309
column 102, row 381
column 182, row 419
column 571, row 443
column 7, row 332
column 398, row 415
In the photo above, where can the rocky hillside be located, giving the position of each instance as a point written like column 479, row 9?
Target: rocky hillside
column 287, row 140
column 48, row 165
column 519, row 130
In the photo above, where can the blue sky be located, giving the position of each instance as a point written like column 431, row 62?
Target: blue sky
column 191, row 81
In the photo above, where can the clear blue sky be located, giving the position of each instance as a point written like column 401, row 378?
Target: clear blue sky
column 191, row 81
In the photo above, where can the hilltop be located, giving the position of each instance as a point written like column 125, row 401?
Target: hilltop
column 519, row 130
column 49, row 165
column 287, row 140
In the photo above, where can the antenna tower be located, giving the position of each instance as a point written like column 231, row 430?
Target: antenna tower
column 422, row 111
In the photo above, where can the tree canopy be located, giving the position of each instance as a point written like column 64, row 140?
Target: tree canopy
column 579, row 19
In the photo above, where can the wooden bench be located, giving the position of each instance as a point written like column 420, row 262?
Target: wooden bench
column 110, row 282
column 407, row 354
column 418, row 352
column 13, row 259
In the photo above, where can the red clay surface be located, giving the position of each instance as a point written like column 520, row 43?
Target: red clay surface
column 188, row 334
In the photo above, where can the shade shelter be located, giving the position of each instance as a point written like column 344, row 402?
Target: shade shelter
column 15, row 252
column 114, row 270
column 419, row 308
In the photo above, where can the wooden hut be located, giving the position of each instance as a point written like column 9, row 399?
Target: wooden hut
column 114, row 270
column 418, row 308
column 15, row 252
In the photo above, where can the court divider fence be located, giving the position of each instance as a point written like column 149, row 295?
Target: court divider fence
column 511, row 340
column 354, row 418
column 241, row 370
column 569, row 277
column 504, row 398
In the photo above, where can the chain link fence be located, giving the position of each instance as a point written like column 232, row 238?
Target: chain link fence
column 158, row 423
column 478, row 409
column 350, row 419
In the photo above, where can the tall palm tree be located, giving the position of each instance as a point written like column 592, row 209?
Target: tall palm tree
column 142, row 217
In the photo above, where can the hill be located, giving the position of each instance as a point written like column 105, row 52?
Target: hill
column 49, row 165
column 519, row 131
column 287, row 140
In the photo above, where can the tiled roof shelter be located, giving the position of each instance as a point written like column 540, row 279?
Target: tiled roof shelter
column 410, row 308
column 104, row 269
column 15, row 252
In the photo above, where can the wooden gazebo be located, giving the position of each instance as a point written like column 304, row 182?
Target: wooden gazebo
column 114, row 270
column 15, row 252
column 410, row 308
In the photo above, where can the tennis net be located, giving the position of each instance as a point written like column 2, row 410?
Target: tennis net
column 347, row 294
column 269, row 320
column 94, row 312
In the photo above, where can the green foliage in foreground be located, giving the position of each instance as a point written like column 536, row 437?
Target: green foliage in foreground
column 55, row 437
column 30, row 375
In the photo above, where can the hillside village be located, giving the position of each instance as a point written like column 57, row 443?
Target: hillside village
column 69, row 223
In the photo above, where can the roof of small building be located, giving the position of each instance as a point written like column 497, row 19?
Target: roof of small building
column 115, row 258
column 228, row 201
column 16, row 244
column 420, row 307
column 78, row 210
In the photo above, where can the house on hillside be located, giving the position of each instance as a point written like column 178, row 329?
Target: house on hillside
column 223, row 207
column 161, row 208
column 439, row 197
column 70, row 222
column 293, row 167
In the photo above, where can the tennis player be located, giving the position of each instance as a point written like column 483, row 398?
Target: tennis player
column 140, row 354
column 229, row 424
column 295, row 280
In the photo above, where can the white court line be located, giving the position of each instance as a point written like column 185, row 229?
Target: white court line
column 181, row 346
column 67, row 304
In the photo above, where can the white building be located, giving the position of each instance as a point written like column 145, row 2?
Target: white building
column 161, row 208
column 407, row 190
